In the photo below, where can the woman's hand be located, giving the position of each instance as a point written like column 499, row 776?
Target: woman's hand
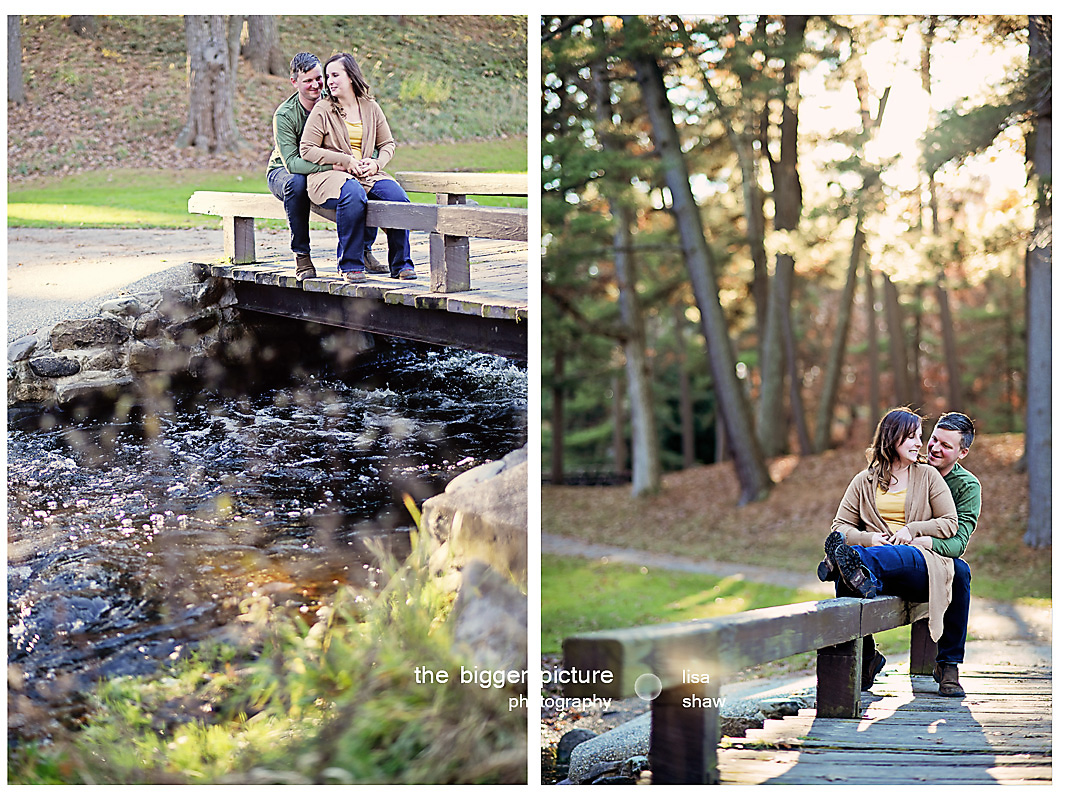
column 902, row 536
column 879, row 538
column 365, row 168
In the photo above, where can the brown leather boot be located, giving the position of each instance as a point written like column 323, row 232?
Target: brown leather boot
column 304, row 266
column 948, row 679
column 374, row 266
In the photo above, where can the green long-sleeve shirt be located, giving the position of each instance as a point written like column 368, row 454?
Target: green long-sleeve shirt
column 967, row 495
column 289, row 120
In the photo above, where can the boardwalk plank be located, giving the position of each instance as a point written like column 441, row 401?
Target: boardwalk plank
column 1001, row 733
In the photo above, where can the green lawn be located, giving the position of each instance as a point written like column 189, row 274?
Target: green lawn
column 579, row 596
column 158, row 198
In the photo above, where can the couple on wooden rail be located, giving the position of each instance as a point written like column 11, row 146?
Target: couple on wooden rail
column 331, row 149
column 902, row 528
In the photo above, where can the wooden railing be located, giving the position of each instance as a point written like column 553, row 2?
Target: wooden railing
column 691, row 660
column 450, row 221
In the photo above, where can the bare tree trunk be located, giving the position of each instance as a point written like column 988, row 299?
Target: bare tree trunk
column 749, row 466
column 84, row 25
column 16, row 91
column 828, row 397
column 874, row 362
column 787, row 205
column 211, row 126
column 897, row 343
column 685, row 394
column 948, row 332
column 559, row 366
column 618, row 428
column 646, row 468
column 1039, row 301
column 263, row 49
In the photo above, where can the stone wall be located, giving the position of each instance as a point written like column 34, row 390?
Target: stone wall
column 138, row 347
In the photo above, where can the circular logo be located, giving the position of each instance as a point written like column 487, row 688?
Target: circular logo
column 648, row 686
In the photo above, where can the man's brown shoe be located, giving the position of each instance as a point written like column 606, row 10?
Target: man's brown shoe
column 304, row 266
column 374, row 266
column 948, row 679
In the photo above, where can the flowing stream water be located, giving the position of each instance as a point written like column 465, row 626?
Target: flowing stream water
column 127, row 542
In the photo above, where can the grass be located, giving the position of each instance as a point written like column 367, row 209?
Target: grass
column 579, row 596
column 158, row 198
column 331, row 702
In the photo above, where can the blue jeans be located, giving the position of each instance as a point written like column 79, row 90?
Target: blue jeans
column 292, row 190
column 901, row 570
column 351, row 208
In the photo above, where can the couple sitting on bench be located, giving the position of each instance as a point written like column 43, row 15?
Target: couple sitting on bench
column 901, row 529
column 331, row 150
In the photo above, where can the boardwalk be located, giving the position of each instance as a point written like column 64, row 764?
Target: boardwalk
column 491, row 316
column 1001, row 733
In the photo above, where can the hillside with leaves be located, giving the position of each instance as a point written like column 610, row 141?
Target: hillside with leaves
column 120, row 99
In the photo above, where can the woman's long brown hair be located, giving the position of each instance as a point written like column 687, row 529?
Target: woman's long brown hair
column 360, row 87
column 892, row 429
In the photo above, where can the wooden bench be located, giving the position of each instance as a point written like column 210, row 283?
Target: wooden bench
column 451, row 221
column 691, row 660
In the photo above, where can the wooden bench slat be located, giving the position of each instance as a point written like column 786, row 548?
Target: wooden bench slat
column 506, row 184
column 478, row 221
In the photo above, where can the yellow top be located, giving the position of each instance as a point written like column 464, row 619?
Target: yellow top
column 890, row 507
column 355, row 135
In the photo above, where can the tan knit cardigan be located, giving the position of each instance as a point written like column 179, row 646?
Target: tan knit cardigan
column 325, row 141
column 928, row 511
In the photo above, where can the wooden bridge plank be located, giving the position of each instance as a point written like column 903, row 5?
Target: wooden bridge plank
column 1000, row 733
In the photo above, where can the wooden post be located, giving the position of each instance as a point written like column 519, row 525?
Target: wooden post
column 923, row 648
column 239, row 239
column 837, row 677
column 450, row 261
column 684, row 742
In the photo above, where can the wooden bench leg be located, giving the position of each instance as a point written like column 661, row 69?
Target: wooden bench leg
column 923, row 649
column 685, row 740
column 450, row 265
column 837, row 680
column 239, row 239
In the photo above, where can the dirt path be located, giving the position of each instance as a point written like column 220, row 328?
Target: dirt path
column 54, row 275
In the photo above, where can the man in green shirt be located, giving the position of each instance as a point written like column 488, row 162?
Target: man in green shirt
column 950, row 441
column 287, row 172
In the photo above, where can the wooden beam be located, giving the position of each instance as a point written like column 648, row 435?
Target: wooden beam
column 479, row 221
column 506, row 184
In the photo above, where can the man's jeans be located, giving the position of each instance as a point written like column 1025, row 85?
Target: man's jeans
column 901, row 570
column 292, row 190
column 351, row 208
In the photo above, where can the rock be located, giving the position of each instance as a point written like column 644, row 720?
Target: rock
column 82, row 334
column 626, row 741
column 21, row 348
column 189, row 330
column 55, row 366
column 484, row 520
column 489, row 619
column 95, row 387
column 147, row 326
column 123, row 307
column 779, row 708
column 568, row 742
column 102, row 360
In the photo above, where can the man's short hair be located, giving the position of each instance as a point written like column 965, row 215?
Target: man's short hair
column 302, row 62
column 955, row 421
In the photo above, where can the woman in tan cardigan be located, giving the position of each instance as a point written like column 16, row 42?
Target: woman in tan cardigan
column 344, row 130
column 872, row 549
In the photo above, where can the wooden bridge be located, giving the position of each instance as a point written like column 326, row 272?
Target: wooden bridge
column 900, row 732
column 472, row 289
